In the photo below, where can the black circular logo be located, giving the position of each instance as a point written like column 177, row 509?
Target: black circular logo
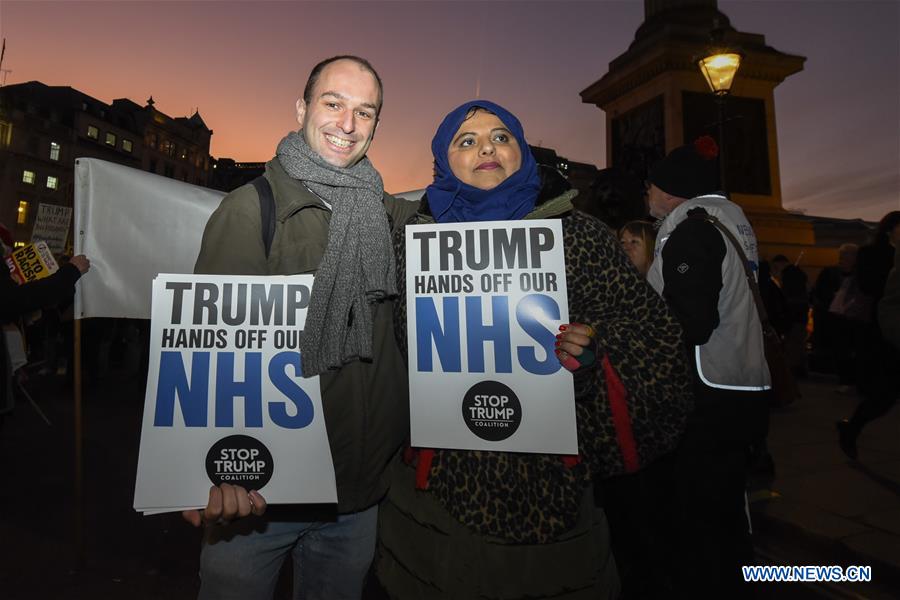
column 491, row 411
column 239, row 460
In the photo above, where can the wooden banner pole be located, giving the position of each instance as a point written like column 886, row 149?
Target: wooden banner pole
column 79, row 451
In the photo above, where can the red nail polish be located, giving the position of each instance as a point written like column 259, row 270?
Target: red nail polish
column 558, row 343
column 571, row 363
column 563, row 327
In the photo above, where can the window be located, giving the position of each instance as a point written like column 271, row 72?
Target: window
column 151, row 140
column 22, row 217
column 93, row 132
column 167, row 147
column 110, row 139
column 5, row 134
column 127, row 145
column 18, row 245
column 52, row 182
column 28, row 176
column 54, row 151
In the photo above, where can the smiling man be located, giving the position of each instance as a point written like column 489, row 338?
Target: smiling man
column 331, row 218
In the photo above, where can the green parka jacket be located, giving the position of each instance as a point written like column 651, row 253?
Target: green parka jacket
column 365, row 403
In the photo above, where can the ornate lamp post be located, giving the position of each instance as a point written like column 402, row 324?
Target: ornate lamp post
column 719, row 70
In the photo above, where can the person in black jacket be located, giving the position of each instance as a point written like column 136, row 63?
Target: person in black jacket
column 41, row 293
column 889, row 307
column 773, row 299
column 16, row 300
column 830, row 352
column 877, row 376
column 794, row 286
column 701, row 273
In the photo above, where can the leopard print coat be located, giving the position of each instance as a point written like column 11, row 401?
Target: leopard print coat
column 534, row 498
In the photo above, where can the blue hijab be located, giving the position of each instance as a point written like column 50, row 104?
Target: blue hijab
column 452, row 201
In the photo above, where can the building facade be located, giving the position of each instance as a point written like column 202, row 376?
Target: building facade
column 44, row 129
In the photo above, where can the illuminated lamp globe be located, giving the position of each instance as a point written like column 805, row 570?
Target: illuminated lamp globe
column 719, row 71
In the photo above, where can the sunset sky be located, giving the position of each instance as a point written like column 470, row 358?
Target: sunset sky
column 243, row 65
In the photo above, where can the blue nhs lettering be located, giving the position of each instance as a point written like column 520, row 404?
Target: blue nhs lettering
column 447, row 339
column 193, row 395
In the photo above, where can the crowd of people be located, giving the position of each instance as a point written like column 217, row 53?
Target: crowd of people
column 665, row 344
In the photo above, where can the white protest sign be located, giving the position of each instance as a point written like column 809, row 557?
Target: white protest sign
column 51, row 225
column 226, row 401
column 484, row 306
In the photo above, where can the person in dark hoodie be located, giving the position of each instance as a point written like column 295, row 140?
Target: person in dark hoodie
column 477, row 524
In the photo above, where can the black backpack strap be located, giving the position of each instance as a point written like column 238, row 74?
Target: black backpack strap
column 748, row 273
column 266, row 210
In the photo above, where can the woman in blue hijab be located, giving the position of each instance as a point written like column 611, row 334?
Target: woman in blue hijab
column 476, row 524
column 497, row 181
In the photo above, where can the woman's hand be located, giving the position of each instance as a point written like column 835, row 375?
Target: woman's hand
column 576, row 346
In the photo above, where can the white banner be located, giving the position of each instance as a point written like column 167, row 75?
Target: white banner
column 484, row 306
column 133, row 225
column 226, row 402
column 51, row 225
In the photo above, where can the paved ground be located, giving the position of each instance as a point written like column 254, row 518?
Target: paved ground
column 828, row 506
column 819, row 507
column 126, row 555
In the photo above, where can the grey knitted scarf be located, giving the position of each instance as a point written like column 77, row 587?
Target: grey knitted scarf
column 357, row 269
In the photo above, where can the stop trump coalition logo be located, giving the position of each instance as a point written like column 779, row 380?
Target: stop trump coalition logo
column 240, row 460
column 492, row 411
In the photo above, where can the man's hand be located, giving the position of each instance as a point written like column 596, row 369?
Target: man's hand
column 575, row 346
column 226, row 503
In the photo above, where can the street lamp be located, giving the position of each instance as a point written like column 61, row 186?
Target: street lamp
column 719, row 70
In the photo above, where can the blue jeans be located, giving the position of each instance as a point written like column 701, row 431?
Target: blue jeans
column 241, row 560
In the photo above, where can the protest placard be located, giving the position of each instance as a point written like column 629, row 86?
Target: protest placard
column 51, row 225
column 484, row 304
column 31, row 262
column 226, row 401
